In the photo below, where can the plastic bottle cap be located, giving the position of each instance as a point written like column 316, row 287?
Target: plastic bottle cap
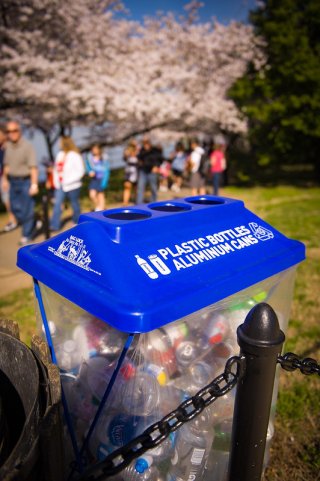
column 141, row 465
column 162, row 378
column 216, row 338
column 128, row 371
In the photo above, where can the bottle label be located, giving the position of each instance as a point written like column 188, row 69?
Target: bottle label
column 122, row 428
column 197, row 456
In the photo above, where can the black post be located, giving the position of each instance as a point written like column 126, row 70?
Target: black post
column 260, row 339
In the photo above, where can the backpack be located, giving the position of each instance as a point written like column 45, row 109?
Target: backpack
column 204, row 166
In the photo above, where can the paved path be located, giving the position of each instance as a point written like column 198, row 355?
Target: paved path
column 13, row 278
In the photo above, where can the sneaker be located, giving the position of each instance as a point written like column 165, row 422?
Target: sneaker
column 10, row 226
column 24, row 240
column 175, row 188
column 39, row 224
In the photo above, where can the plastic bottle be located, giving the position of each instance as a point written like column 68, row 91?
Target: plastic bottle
column 143, row 463
column 222, row 408
column 131, row 474
column 140, row 395
column 197, row 376
column 80, row 338
column 68, row 356
column 236, row 317
column 218, row 354
column 81, row 406
column 95, row 329
column 157, row 349
column 114, row 429
column 52, row 329
column 186, row 352
column 171, row 396
column 156, row 455
column 217, row 328
column 96, row 373
column 217, row 466
column 176, row 332
column 164, row 450
column 111, row 343
column 191, row 450
column 158, row 372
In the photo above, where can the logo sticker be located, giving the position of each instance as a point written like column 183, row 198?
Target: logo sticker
column 75, row 251
column 260, row 232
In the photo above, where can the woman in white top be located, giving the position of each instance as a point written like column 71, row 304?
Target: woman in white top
column 68, row 171
column 197, row 181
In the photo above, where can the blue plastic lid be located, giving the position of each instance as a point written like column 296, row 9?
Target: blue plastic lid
column 141, row 267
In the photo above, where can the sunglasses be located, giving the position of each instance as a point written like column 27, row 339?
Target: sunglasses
column 14, row 131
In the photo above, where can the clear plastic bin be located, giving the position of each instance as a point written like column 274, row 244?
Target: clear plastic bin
column 143, row 330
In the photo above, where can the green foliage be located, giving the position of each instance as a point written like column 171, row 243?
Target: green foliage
column 282, row 99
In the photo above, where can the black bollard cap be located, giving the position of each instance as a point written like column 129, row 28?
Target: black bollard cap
column 260, row 328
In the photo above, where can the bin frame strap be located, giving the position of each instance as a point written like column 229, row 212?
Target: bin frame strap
column 105, row 396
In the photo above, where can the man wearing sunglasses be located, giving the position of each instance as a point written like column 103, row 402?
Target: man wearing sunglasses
column 21, row 173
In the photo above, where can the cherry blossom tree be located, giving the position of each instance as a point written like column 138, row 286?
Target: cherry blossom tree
column 64, row 64
column 50, row 53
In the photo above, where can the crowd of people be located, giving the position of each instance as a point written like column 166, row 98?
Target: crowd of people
column 192, row 165
column 146, row 168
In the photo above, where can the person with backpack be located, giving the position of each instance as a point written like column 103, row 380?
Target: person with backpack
column 197, row 178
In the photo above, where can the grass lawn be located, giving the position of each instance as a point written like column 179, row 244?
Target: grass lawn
column 295, row 453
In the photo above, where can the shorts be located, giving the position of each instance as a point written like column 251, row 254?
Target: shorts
column 197, row 181
column 131, row 174
column 177, row 173
column 95, row 184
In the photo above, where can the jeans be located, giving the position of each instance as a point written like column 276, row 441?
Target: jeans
column 143, row 180
column 216, row 182
column 59, row 196
column 22, row 204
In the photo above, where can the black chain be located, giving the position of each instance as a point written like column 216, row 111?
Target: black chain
column 291, row 362
column 157, row 432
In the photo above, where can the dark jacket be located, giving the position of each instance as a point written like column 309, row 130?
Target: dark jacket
column 149, row 159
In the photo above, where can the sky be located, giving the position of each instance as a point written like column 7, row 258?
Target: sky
column 223, row 10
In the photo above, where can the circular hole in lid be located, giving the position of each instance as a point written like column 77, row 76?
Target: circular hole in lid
column 205, row 200
column 127, row 214
column 169, row 207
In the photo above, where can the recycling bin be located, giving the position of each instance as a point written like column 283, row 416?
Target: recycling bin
column 140, row 308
